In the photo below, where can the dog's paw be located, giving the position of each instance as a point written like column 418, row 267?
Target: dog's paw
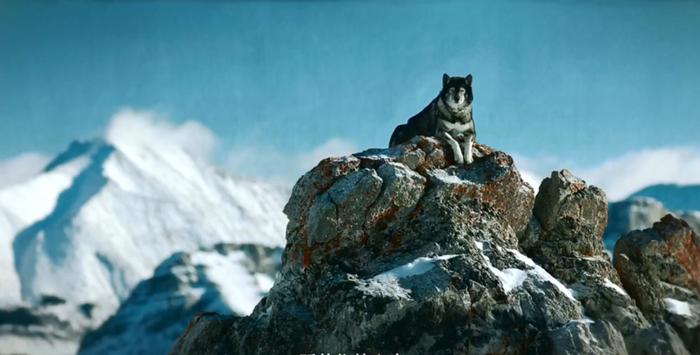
column 468, row 160
column 459, row 159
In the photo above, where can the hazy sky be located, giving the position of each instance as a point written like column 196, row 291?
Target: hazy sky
column 572, row 81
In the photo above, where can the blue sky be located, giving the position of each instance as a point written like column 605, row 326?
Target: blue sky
column 580, row 82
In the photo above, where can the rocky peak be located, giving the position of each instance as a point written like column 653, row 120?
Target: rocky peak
column 362, row 211
column 399, row 251
column 566, row 231
column 660, row 268
column 669, row 251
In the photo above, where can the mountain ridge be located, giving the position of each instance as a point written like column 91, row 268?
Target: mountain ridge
column 227, row 278
column 100, row 217
column 675, row 197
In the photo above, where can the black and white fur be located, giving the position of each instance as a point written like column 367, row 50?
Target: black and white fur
column 448, row 116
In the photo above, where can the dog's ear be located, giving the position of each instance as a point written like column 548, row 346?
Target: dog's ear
column 469, row 79
column 445, row 79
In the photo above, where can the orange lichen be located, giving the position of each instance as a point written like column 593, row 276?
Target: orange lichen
column 383, row 218
column 307, row 256
column 416, row 211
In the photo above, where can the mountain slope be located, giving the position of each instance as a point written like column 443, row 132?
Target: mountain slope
column 22, row 205
column 103, row 215
column 229, row 278
column 674, row 197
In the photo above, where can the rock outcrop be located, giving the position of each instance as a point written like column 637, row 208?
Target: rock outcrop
column 566, row 237
column 398, row 251
column 660, row 268
column 641, row 212
column 566, row 230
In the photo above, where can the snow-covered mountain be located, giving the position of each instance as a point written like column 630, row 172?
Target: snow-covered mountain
column 228, row 279
column 76, row 239
column 645, row 207
column 674, row 197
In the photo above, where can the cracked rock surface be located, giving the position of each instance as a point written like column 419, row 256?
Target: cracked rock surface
column 399, row 251
column 660, row 268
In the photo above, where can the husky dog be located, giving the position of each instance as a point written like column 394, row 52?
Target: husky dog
column 448, row 116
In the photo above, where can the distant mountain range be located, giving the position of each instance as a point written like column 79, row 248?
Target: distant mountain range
column 79, row 237
column 674, row 197
column 228, row 279
column 645, row 207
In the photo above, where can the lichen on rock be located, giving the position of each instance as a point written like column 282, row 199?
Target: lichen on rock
column 660, row 268
column 399, row 251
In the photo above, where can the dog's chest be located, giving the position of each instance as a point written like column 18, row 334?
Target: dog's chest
column 455, row 128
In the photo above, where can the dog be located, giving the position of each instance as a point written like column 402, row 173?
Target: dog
column 448, row 116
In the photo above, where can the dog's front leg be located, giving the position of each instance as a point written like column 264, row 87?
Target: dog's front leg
column 468, row 149
column 456, row 150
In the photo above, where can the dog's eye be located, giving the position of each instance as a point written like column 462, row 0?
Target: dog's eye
column 461, row 90
column 452, row 90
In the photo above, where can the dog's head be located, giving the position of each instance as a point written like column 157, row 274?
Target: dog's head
column 456, row 91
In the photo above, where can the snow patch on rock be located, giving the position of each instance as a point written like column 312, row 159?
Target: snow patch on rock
column 542, row 274
column 615, row 287
column 512, row 278
column 416, row 267
column 678, row 307
column 387, row 283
